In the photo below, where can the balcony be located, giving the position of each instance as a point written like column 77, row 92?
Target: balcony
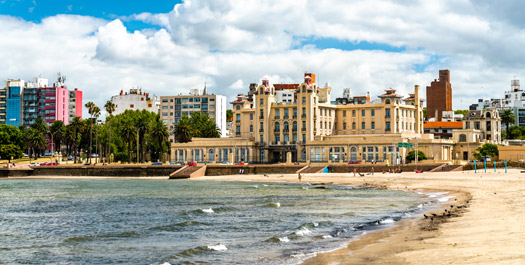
column 277, row 117
column 303, row 129
column 276, row 130
column 294, row 129
column 286, row 117
column 275, row 143
column 238, row 133
column 261, row 117
column 261, row 130
column 286, row 130
column 294, row 117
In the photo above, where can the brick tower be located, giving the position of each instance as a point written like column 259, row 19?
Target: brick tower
column 439, row 96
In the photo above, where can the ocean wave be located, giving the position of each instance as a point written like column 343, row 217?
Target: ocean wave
column 218, row 247
column 209, row 210
column 178, row 226
column 303, row 232
column 200, row 249
column 276, row 239
column 109, row 236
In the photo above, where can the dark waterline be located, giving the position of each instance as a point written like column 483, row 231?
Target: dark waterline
column 185, row 222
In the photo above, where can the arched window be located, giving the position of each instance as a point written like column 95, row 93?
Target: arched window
column 286, row 127
column 211, row 155
column 387, row 101
column 462, row 138
column 238, row 107
column 487, row 115
column 277, row 126
column 353, row 154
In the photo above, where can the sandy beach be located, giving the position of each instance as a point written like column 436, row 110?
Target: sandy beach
column 488, row 227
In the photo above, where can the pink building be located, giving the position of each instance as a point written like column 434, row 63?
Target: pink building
column 53, row 104
column 75, row 104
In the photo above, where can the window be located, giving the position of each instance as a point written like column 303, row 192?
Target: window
column 344, row 125
column 304, row 125
column 277, row 138
column 251, row 128
column 373, row 125
column 304, row 138
column 362, row 113
column 294, row 137
column 387, row 126
column 238, row 107
column 262, row 127
column 286, row 127
column 295, row 113
column 294, row 126
column 304, row 112
column 373, row 112
column 238, row 119
column 363, row 125
column 344, row 113
column 238, row 129
column 387, row 113
column 277, row 127
column 251, row 116
column 467, row 125
column 164, row 107
column 476, row 125
column 262, row 115
column 387, row 101
column 353, row 113
column 277, row 114
column 286, row 137
column 262, row 102
column 286, row 113
column 304, row 99
column 353, row 125
column 261, row 139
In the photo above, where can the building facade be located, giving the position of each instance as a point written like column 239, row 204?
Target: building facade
column 173, row 108
column 304, row 126
column 442, row 129
column 135, row 99
column 53, row 104
column 439, row 96
column 75, row 104
column 14, row 89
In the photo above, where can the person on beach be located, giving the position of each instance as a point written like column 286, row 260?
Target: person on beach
column 299, row 176
column 355, row 171
column 372, row 171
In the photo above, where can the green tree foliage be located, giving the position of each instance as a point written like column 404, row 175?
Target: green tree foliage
column 199, row 125
column 461, row 111
column 35, row 142
column 411, row 156
column 91, row 110
column 11, row 135
column 56, row 131
column 515, row 132
column 486, row 150
column 159, row 132
column 40, row 125
column 110, row 108
column 183, row 130
column 424, row 113
column 8, row 151
column 507, row 118
column 229, row 114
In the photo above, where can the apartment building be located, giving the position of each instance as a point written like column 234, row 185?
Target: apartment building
column 173, row 108
column 135, row 99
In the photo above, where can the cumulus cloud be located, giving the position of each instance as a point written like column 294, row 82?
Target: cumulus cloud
column 230, row 44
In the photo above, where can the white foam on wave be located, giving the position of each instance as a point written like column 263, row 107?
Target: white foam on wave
column 303, row 231
column 265, row 185
column 315, row 224
column 210, row 210
column 387, row 221
column 444, row 199
column 327, row 236
column 218, row 247
column 166, row 263
column 284, row 239
column 255, row 186
column 420, row 206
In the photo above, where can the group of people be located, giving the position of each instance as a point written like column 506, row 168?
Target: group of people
column 390, row 170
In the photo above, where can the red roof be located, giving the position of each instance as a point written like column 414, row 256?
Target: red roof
column 443, row 124
column 285, row 86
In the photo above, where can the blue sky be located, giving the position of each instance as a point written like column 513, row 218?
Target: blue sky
column 35, row 10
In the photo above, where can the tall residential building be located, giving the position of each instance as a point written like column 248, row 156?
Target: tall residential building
column 439, row 96
column 135, row 100
column 13, row 89
column 75, row 104
column 3, row 105
column 53, row 103
column 174, row 107
column 30, row 101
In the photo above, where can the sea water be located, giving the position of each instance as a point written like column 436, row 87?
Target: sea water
column 187, row 222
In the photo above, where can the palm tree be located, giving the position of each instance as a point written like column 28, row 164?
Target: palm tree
column 40, row 125
column 110, row 108
column 159, row 131
column 128, row 133
column 76, row 126
column 96, row 114
column 507, row 117
column 56, row 131
column 35, row 140
column 210, row 130
column 142, row 125
column 183, row 130
column 90, row 106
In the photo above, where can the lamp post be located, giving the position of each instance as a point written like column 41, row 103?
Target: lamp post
column 137, row 145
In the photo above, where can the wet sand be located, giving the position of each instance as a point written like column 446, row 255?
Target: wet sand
column 487, row 228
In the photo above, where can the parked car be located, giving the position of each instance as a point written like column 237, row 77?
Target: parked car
column 49, row 164
column 354, row 162
column 34, row 164
column 176, row 163
column 226, row 163
column 192, row 164
column 156, row 164
column 239, row 163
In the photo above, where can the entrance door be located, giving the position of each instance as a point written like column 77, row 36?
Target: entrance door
column 465, row 155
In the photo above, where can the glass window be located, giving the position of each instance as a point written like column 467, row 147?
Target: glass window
column 238, row 118
column 387, row 113
column 261, row 101
column 251, row 116
column 304, row 100
column 353, row 125
column 362, row 113
column 251, row 128
column 373, row 125
column 304, row 138
column 353, row 113
column 344, row 113
column 387, row 126
column 373, row 112
column 363, row 125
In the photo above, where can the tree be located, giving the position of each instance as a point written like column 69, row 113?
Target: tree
column 11, row 135
column 35, row 141
column 56, row 131
column 40, row 125
column 183, row 130
column 425, row 113
column 411, row 156
column 461, row 111
column 159, row 132
column 514, row 132
column 8, row 151
column 110, row 108
column 486, row 150
column 91, row 107
column 128, row 134
column 229, row 115
column 76, row 127
column 507, row 118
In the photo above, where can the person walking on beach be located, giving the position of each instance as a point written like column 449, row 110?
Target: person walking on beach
column 355, row 171
column 372, row 171
column 299, row 176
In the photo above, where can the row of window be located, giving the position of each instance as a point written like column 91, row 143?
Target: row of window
column 184, row 100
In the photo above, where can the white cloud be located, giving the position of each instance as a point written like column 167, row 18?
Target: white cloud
column 230, row 44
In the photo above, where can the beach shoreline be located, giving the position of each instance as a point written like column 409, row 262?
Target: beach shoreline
column 465, row 237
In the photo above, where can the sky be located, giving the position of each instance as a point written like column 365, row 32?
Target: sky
column 169, row 47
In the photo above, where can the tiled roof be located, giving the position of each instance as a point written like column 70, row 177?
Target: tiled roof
column 443, row 124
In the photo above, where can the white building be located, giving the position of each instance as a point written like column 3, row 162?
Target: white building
column 135, row 99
